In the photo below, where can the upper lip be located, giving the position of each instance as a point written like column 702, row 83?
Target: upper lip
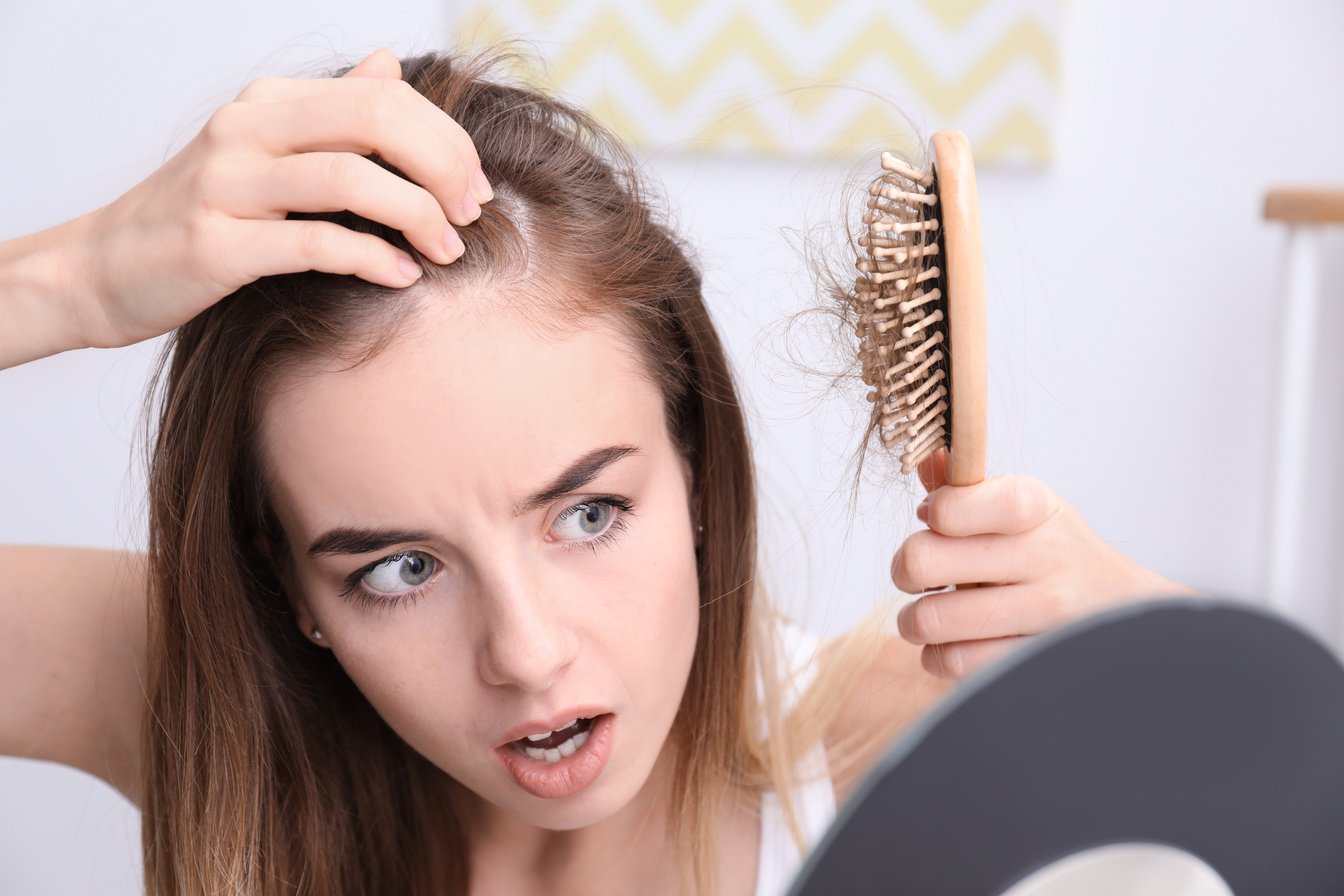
column 551, row 722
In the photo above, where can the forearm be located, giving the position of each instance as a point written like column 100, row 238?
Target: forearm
column 40, row 294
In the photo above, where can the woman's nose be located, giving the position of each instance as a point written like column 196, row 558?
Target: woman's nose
column 526, row 643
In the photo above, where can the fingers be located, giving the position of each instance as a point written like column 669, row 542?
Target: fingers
column 928, row 561
column 381, row 63
column 975, row 614
column 933, row 470
column 327, row 182
column 1007, row 505
column 956, row 661
column 286, row 247
column 381, row 116
column 370, row 110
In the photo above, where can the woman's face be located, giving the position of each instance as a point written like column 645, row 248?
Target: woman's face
column 491, row 529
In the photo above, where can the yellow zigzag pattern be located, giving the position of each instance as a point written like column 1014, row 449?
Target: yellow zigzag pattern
column 1019, row 135
column 955, row 13
column 952, row 13
column 1019, row 132
column 745, row 127
column 738, row 37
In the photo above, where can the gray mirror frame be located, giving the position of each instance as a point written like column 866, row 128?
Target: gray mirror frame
column 1210, row 726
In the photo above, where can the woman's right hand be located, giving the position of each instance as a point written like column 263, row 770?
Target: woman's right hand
column 213, row 218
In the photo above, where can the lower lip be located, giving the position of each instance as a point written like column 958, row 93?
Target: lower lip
column 554, row 780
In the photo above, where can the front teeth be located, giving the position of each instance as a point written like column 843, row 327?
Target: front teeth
column 568, row 748
column 536, row 737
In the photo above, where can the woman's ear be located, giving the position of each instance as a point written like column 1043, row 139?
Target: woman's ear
column 284, row 576
column 302, row 615
column 692, row 501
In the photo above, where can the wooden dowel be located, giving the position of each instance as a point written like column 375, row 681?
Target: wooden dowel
column 1305, row 205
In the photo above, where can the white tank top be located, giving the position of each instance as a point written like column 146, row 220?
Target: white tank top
column 813, row 797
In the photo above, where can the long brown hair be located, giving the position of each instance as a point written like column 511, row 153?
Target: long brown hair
column 267, row 772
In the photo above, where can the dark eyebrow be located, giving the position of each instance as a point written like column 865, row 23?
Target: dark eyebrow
column 345, row 540
column 576, row 476
column 349, row 540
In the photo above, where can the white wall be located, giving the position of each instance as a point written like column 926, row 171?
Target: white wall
column 1133, row 295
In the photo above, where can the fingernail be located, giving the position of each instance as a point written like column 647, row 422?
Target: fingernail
column 453, row 244
column 480, row 187
column 409, row 269
column 471, row 209
column 922, row 511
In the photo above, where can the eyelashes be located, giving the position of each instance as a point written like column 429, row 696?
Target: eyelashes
column 619, row 508
column 365, row 598
column 606, row 538
column 356, row 592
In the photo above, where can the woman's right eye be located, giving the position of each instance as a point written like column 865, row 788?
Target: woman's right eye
column 389, row 577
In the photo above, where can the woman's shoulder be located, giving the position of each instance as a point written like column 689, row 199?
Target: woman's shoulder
column 73, row 659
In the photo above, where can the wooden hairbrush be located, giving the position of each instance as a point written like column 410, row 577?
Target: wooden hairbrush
column 920, row 303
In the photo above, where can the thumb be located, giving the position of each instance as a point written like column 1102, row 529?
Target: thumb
column 381, row 63
column 933, row 470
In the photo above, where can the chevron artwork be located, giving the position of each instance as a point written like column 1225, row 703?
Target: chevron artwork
column 795, row 76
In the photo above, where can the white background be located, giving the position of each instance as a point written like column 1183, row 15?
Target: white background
column 1133, row 295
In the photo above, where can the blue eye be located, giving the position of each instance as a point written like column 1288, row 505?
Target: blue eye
column 411, row 568
column 585, row 519
column 592, row 522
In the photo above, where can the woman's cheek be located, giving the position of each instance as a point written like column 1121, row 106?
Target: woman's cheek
column 426, row 704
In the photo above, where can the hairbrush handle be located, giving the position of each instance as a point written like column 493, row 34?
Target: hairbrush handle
column 964, row 265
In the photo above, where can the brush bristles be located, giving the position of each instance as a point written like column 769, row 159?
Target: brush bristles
column 899, row 302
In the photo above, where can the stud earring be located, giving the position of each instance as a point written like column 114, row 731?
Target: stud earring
column 317, row 633
column 699, row 528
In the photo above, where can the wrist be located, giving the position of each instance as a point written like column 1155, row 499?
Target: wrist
column 42, row 293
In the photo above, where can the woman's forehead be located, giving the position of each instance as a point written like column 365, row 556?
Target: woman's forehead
column 465, row 397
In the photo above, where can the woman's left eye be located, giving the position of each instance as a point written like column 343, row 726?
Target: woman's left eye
column 591, row 521
column 411, row 568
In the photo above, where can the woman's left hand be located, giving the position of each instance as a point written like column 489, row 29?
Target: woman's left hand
column 1036, row 560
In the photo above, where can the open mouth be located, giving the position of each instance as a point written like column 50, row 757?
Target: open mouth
column 555, row 745
column 561, row 762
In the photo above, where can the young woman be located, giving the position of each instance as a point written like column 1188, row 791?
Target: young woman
column 451, row 579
